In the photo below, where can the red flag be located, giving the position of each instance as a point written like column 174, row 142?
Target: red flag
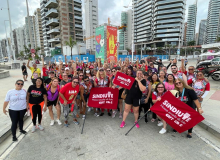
column 123, row 80
column 106, row 98
column 176, row 113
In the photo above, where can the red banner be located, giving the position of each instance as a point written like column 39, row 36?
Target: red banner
column 176, row 113
column 111, row 43
column 123, row 80
column 106, row 98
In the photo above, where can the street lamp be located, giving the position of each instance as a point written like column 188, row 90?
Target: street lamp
column 132, row 41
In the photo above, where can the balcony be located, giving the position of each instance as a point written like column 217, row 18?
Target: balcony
column 78, row 9
column 51, row 4
column 79, row 26
column 53, row 22
column 54, row 40
column 53, row 13
column 77, row 17
column 78, row 1
column 53, row 31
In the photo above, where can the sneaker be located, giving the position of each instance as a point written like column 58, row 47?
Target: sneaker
column 122, row 124
column 137, row 125
column 52, row 122
column 120, row 116
column 75, row 122
column 66, row 124
column 174, row 131
column 59, row 122
column 146, row 120
column 83, row 116
column 96, row 115
column 89, row 109
column 101, row 114
column 14, row 139
column 33, row 129
column 160, row 124
column 114, row 114
column 109, row 114
column 189, row 136
column 23, row 132
column 40, row 127
column 162, row 131
column 77, row 116
column 152, row 120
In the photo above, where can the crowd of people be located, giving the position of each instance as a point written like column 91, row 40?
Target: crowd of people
column 67, row 87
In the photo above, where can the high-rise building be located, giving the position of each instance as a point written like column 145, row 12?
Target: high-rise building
column 202, row 32
column 32, row 27
column 212, row 21
column 15, row 42
column 20, row 37
column 125, row 34
column 184, row 34
column 158, row 22
column 60, row 20
column 191, row 22
column 38, row 30
column 91, row 19
column 4, row 48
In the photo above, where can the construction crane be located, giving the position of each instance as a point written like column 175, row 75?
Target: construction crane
column 109, row 21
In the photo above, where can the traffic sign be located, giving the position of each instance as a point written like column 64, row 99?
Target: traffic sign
column 117, row 44
column 32, row 50
column 33, row 55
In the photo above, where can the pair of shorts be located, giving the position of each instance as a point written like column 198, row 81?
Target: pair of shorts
column 25, row 74
column 132, row 101
column 78, row 96
column 52, row 103
column 86, row 97
column 120, row 93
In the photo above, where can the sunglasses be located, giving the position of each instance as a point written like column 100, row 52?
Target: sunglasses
column 108, row 70
column 101, row 70
column 81, row 75
column 114, row 71
column 173, row 68
column 20, row 84
column 86, row 81
column 177, row 83
column 75, row 82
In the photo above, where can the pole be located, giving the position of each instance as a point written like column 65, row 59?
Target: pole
column 132, row 41
column 11, row 36
column 84, row 122
column 137, row 122
column 141, row 52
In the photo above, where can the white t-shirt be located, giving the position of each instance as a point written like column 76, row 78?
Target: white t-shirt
column 16, row 99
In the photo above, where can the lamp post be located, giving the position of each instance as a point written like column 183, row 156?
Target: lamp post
column 132, row 41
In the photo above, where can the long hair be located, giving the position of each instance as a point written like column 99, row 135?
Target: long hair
column 98, row 74
column 184, row 84
column 42, row 84
column 50, row 84
column 163, row 72
column 151, row 79
column 157, row 87
column 172, row 76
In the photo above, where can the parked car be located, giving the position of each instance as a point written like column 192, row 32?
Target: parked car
column 215, row 61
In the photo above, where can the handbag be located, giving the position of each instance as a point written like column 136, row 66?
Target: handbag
column 124, row 94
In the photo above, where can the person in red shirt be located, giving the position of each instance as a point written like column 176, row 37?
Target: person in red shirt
column 68, row 95
column 45, row 70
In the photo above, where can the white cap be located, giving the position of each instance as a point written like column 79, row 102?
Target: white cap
column 67, row 68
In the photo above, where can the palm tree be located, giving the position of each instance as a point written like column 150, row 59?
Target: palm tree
column 169, row 47
column 71, row 43
column 217, row 39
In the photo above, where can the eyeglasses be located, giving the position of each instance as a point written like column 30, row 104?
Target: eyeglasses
column 160, row 87
column 114, row 71
column 86, row 81
column 190, row 69
column 173, row 68
column 101, row 70
column 64, row 75
column 177, row 83
column 199, row 74
column 75, row 82
column 80, row 75
column 20, row 84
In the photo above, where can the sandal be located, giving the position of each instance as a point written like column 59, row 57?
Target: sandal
column 153, row 120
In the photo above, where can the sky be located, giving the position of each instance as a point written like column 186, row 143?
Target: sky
column 107, row 8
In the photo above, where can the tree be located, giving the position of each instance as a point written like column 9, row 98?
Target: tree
column 169, row 47
column 159, row 49
column 191, row 43
column 217, row 39
column 71, row 43
column 21, row 55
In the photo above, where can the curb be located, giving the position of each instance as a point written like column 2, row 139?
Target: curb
column 8, row 132
column 210, row 128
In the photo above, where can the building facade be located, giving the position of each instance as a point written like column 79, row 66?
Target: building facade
column 125, row 34
column 15, row 42
column 91, row 19
column 60, row 20
column 38, row 30
column 20, row 35
column 202, row 32
column 191, row 23
column 4, row 48
column 32, row 27
column 212, row 21
column 157, row 23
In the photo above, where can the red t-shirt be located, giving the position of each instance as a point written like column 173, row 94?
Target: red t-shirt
column 69, row 92
column 45, row 71
column 146, row 68
column 183, row 72
column 154, row 97
column 198, row 85
column 102, row 82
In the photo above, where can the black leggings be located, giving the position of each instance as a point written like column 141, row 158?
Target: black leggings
column 154, row 116
column 36, row 110
column 146, row 108
column 16, row 116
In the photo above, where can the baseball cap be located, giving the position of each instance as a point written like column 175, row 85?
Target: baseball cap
column 52, row 72
column 67, row 68
column 91, row 67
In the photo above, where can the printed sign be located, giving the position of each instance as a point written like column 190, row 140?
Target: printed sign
column 176, row 113
column 106, row 98
column 111, row 43
column 100, row 47
column 32, row 50
column 123, row 80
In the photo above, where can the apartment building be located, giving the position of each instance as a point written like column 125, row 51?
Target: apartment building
column 212, row 21
column 32, row 27
column 14, row 35
column 191, row 22
column 60, row 20
column 38, row 30
column 202, row 32
column 4, row 48
column 91, row 19
column 158, row 22
column 125, row 34
column 20, row 37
